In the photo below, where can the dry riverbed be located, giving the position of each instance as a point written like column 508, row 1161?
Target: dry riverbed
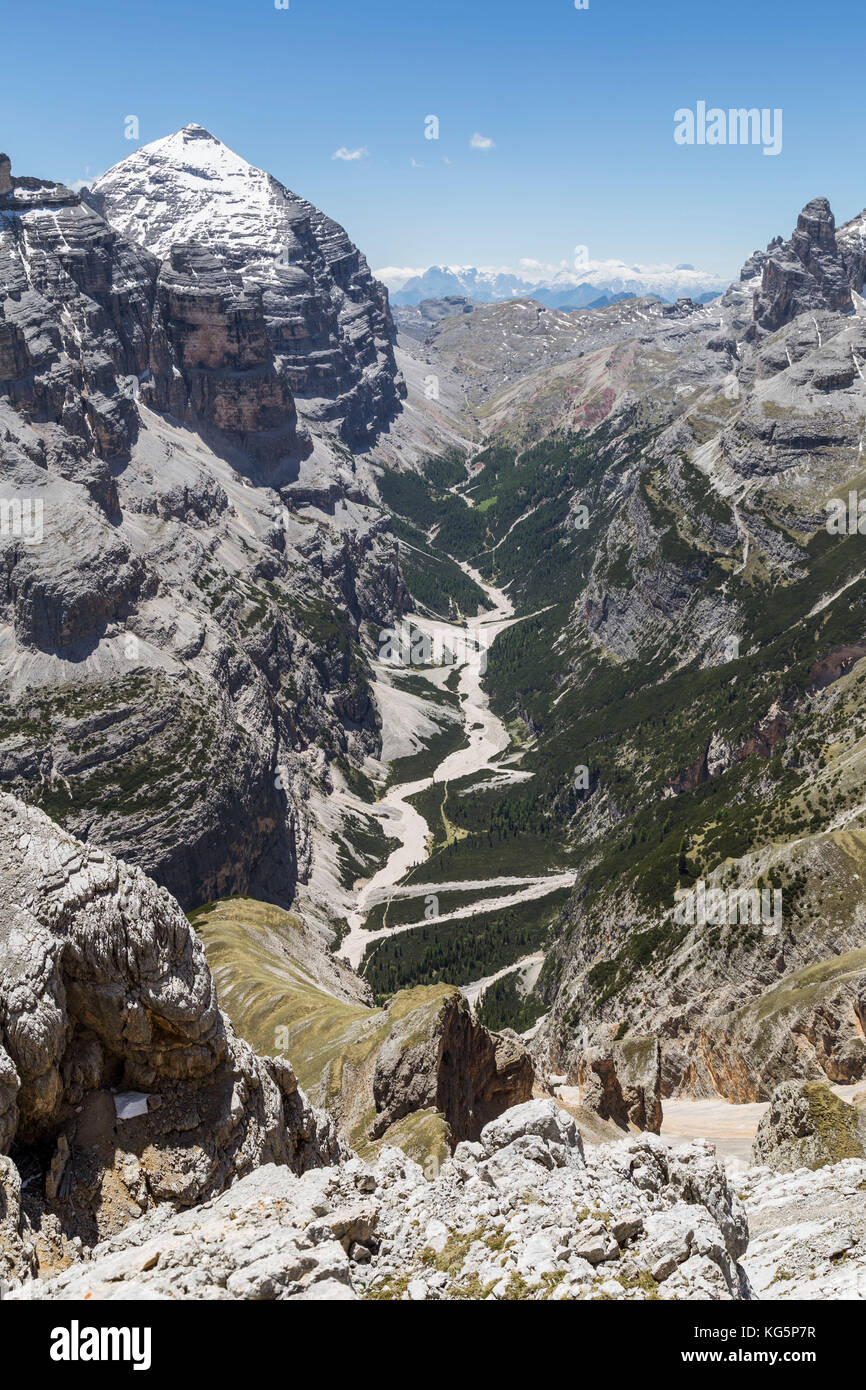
column 487, row 740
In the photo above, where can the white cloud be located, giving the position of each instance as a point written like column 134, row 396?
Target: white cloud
column 481, row 142
column 395, row 276
column 87, row 182
column 348, row 155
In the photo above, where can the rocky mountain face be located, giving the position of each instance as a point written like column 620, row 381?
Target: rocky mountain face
column 255, row 281
column 181, row 660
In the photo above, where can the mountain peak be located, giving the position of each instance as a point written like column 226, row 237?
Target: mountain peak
column 328, row 320
column 191, row 141
column 190, row 187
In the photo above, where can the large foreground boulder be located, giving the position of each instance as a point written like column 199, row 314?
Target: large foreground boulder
column 808, row 1126
column 122, row 1085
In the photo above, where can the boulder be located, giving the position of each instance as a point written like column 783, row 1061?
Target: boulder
column 543, row 1118
column 623, row 1083
column 808, row 1126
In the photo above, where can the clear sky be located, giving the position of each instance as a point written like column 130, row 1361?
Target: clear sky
column 579, row 106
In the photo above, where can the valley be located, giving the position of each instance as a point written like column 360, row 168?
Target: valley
column 486, row 755
column 379, row 687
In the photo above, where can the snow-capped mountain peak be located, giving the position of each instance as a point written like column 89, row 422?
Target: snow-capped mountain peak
column 559, row 286
column 189, row 186
column 327, row 320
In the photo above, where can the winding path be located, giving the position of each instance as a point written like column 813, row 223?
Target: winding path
column 487, row 740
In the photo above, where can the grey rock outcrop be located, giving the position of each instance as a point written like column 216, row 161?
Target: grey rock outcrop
column 808, row 1126
column 522, row 1214
column 807, row 272
column 638, row 1069
column 113, row 1051
column 438, row 1057
column 622, row 1083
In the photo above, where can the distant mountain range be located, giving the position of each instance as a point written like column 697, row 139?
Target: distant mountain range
column 581, row 287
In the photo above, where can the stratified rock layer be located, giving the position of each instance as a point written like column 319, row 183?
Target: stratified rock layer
column 274, row 262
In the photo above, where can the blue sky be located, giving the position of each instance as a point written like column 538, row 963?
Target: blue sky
column 579, row 106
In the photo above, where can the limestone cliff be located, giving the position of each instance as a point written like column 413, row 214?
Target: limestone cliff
column 122, row 1085
column 182, row 629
